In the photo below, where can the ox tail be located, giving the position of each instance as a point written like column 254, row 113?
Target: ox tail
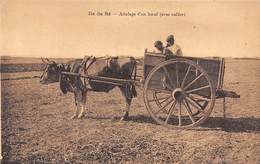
column 134, row 92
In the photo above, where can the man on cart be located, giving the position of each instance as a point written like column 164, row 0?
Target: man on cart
column 170, row 49
column 158, row 47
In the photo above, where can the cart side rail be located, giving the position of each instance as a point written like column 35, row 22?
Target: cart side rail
column 214, row 66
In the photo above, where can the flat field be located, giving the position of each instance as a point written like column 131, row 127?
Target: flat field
column 36, row 125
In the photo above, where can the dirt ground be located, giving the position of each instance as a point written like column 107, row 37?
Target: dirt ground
column 36, row 125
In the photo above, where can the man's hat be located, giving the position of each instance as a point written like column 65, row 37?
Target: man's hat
column 170, row 37
column 157, row 43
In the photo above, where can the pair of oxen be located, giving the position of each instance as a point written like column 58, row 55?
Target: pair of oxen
column 114, row 67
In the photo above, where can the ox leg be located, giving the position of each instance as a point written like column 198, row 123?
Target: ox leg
column 128, row 103
column 82, row 104
column 78, row 98
column 75, row 113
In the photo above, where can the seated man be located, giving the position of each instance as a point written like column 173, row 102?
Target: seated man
column 173, row 48
column 158, row 47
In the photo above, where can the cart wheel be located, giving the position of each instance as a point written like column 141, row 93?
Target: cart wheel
column 178, row 93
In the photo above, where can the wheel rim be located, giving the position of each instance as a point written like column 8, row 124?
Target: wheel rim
column 179, row 94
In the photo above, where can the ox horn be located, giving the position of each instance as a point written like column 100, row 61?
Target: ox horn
column 43, row 60
column 50, row 61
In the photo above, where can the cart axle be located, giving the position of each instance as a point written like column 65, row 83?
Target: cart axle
column 178, row 94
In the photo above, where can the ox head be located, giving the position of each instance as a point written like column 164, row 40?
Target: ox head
column 51, row 72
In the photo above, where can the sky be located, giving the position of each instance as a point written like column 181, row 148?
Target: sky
column 65, row 28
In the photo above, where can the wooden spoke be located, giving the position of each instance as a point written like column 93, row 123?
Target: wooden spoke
column 166, row 99
column 194, row 104
column 170, row 111
column 197, row 89
column 179, row 115
column 201, row 103
column 168, row 76
column 156, row 99
column 163, row 107
column 189, row 111
column 193, row 81
column 177, row 75
column 168, row 86
column 160, row 90
column 161, row 98
column 184, row 79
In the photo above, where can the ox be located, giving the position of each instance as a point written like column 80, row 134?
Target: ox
column 114, row 67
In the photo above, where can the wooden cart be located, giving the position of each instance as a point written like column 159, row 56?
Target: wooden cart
column 179, row 92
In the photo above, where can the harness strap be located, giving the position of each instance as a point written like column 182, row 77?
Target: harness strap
column 85, row 64
column 88, row 63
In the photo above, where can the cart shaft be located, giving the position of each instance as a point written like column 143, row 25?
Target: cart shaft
column 107, row 80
